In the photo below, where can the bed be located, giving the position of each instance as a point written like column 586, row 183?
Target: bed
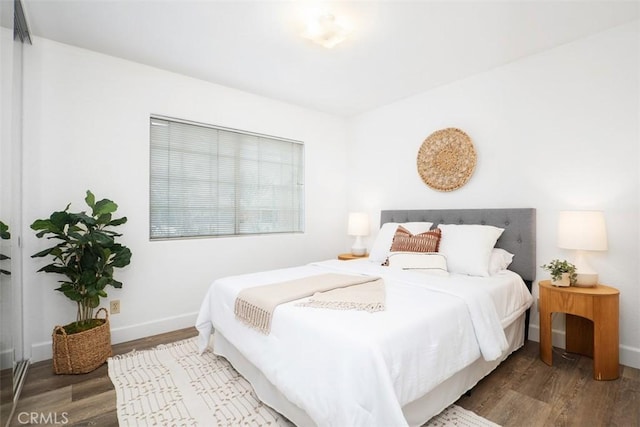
column 437, row 337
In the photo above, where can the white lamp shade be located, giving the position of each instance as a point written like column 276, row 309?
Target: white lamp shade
column 582, row 230
column 358, row 224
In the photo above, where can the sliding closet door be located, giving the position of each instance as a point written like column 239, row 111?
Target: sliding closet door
column 13, row 361
column 7, row 356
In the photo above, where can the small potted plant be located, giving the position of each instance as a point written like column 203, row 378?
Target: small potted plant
column 86, row 254
column 563, row 273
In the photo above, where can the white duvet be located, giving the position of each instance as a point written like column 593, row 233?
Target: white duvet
column 357, row 368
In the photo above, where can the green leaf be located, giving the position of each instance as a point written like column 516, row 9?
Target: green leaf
column 118, row 221
column 83, row 218
column 88, row 262
column 101, row 238
column 53, row 268
column 104, row 206
column 104, row 219
column 54, row 224
column 4, row 231
column 65, row 287
column 88, row 277
column 57, row 250
column 106, row 254
column 43, row 253
column 72, row 294
column 42, row 224
column 102, row 283
column 122, row 256
column 93, row 301
column 75, row 234
column 90, row 199
column 60, row 220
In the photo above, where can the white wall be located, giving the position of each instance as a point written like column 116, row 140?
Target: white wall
column 87, row 127
column 554, row 131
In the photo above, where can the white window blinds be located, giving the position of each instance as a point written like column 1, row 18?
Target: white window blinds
column 211, row 181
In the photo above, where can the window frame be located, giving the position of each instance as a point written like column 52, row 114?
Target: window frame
column 296, row 224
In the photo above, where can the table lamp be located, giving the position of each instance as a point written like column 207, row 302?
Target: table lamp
column 358, row 226
column 582, row 231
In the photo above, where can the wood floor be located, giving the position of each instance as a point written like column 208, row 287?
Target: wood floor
column 522, row 392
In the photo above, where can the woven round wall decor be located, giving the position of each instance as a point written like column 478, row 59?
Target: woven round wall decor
column 446, row 159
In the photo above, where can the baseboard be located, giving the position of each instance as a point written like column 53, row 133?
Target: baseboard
column 42, row 351
column 557, row 336
column 629, row 356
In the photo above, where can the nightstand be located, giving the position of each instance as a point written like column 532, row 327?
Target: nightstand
column 349, row 256
column 592, row 318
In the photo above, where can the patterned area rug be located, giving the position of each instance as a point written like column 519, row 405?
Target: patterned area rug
column 174, row 385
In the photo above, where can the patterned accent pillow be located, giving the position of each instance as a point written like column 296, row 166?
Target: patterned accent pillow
column 404, row 241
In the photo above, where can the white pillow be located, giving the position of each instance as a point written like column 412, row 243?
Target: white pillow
column 468, row 247
column 382, row 245
column 424, row 262
column 500, row 260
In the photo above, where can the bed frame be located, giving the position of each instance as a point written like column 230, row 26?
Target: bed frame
column 519, row 238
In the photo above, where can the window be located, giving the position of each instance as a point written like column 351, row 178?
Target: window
column 212, row 181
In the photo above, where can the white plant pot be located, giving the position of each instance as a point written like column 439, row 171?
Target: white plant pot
column 565, row 280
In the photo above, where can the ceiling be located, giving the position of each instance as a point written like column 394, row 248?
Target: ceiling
column 397, row 48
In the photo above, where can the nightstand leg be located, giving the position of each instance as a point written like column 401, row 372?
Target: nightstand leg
column 545, row 338
column 605, row 339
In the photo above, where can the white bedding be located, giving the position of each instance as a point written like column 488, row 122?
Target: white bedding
column 358, row 368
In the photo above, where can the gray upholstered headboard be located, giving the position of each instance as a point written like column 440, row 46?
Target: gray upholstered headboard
column 519, row 236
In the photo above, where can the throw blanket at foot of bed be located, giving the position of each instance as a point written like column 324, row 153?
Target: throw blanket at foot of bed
column 254, row 306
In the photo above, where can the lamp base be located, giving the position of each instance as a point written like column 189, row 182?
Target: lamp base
column 358, row 251
column 358, row 248
column 587, row 280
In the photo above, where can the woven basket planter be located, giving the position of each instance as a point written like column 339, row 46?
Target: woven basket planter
column 84, row 351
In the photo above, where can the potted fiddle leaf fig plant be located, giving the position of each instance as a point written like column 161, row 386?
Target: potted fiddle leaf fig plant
column 563, row 273
column 86, row 253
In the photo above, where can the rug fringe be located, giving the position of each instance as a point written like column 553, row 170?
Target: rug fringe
column 135, row 352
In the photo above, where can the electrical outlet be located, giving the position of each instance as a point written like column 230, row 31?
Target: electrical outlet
column 114, row 306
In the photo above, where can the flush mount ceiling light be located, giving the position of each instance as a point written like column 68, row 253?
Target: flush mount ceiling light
column 327, row 30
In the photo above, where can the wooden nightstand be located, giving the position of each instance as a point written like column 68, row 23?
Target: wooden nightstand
column 348, row 256
column 591, row 324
